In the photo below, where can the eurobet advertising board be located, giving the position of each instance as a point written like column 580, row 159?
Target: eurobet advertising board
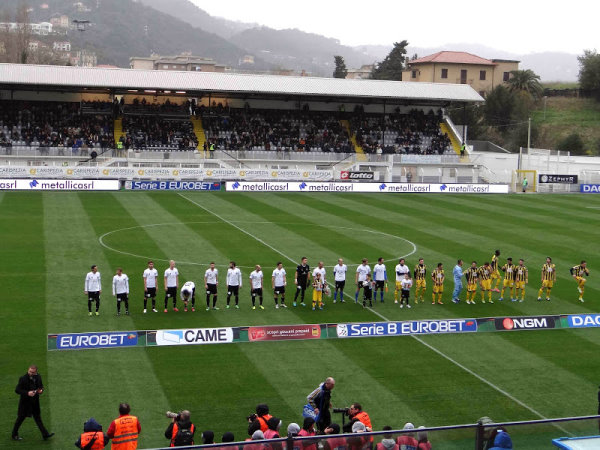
column 173, row 186
column 59, row 185
column 406, row 328
column 399, row 188
column 108, row 339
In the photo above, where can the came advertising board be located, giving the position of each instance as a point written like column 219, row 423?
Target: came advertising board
column 305, row 186
column 191, row 336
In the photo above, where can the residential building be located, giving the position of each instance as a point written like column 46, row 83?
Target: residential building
column 183, row 62
column 481, row 74
column 61, row 21
column 64, row 46
column 40, row 29
column 364, row 73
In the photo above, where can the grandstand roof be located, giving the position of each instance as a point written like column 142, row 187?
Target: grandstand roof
column 20, row 76
column 453, row 58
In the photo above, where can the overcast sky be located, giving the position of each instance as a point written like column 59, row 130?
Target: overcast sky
column 522, row 26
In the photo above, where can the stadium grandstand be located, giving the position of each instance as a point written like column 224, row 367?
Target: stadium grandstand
column 52, row 115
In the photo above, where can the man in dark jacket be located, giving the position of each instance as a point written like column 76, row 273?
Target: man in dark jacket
column 320, row 400
column 92, row 438
column 181, row 430
column 29, row 388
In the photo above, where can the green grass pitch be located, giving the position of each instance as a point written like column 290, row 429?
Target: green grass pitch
column 49, row 240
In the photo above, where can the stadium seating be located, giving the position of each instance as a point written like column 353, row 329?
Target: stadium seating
column 53, row 124
column 158, row 133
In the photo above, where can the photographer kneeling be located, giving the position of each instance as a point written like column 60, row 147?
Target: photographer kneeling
column 181, row 430
column 356, row 414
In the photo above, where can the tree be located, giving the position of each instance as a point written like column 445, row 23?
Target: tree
column 589, row 71
column 15, row 43
column 526, row 81
column 572, row 143
column 340, row 67
column 394, row 63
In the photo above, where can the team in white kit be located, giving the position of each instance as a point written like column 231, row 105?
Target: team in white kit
column 364, row 279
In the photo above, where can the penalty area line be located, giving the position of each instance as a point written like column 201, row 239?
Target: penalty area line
column 431, row 347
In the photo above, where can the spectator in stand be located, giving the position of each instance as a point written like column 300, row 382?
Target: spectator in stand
column 208, row 437
column 273, row 432
column 334, row 443
column 388, row 442
column 407, row 441
column 308, row 429
column 358, row 442
column 501, row 440
column 424, row 443
column 256, row 436
column 92, row 438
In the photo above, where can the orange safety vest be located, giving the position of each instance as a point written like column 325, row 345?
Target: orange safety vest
column 175, row 430
column 126, row 433
column 89, row 435
column 263, row 422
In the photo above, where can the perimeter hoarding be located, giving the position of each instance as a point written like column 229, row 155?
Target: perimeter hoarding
column 107, row 339
column 305, row 186
column 406, row 328
column 58, row 185
column 173, row 186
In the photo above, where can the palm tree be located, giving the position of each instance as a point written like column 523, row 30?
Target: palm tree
column 527, row 81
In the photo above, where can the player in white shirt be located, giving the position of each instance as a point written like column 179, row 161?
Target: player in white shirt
column 256, row 286
column 171, row 285
column 234, row 283
column 401, row 270
column 339, row 273
column 150, row 279
column 361, row 275
column 405, row 286
column 278, row 282
column 93, row 288
column 188, row 292
column 380, row 278
column 120, row 289
column 211, row 280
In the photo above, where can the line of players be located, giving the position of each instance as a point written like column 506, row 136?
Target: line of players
column 516, row 277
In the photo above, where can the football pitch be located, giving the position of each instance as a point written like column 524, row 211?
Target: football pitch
column 49, row 241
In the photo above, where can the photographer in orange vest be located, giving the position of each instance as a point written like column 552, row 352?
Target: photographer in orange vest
column 124, row 430
column 181, row 429
column 92, row 438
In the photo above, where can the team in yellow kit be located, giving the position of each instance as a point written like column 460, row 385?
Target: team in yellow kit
column 548, row 278
column 487, row 276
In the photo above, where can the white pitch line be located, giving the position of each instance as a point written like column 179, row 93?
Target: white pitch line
column 439, row 352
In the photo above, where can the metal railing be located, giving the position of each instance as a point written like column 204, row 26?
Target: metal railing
column 531, row 435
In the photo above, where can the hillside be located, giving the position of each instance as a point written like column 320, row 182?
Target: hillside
column 188, row 12
column 296, row 49
column 565, row 115
column 123, row 28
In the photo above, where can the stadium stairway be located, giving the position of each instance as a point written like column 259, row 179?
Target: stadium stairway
column 199, row 132
column 360, row 153
column 454, row 140
column 118, row 129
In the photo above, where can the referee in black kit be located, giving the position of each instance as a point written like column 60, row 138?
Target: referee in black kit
column 301, row 279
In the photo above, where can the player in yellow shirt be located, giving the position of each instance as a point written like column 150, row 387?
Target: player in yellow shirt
column 438, row 277
column 548, row 278
column 509, row 279
column 420, row 281
column 317, row 291
column 485, row 281
column 472, row 275
column 495, row 273
column 521, row 280
column 578, row 273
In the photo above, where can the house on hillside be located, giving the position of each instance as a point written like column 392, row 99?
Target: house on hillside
column 364, row 73
column 481, row 74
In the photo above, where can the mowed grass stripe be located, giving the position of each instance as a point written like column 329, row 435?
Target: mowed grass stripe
column 93, row 382
column 23, row 318
column 520, row 371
